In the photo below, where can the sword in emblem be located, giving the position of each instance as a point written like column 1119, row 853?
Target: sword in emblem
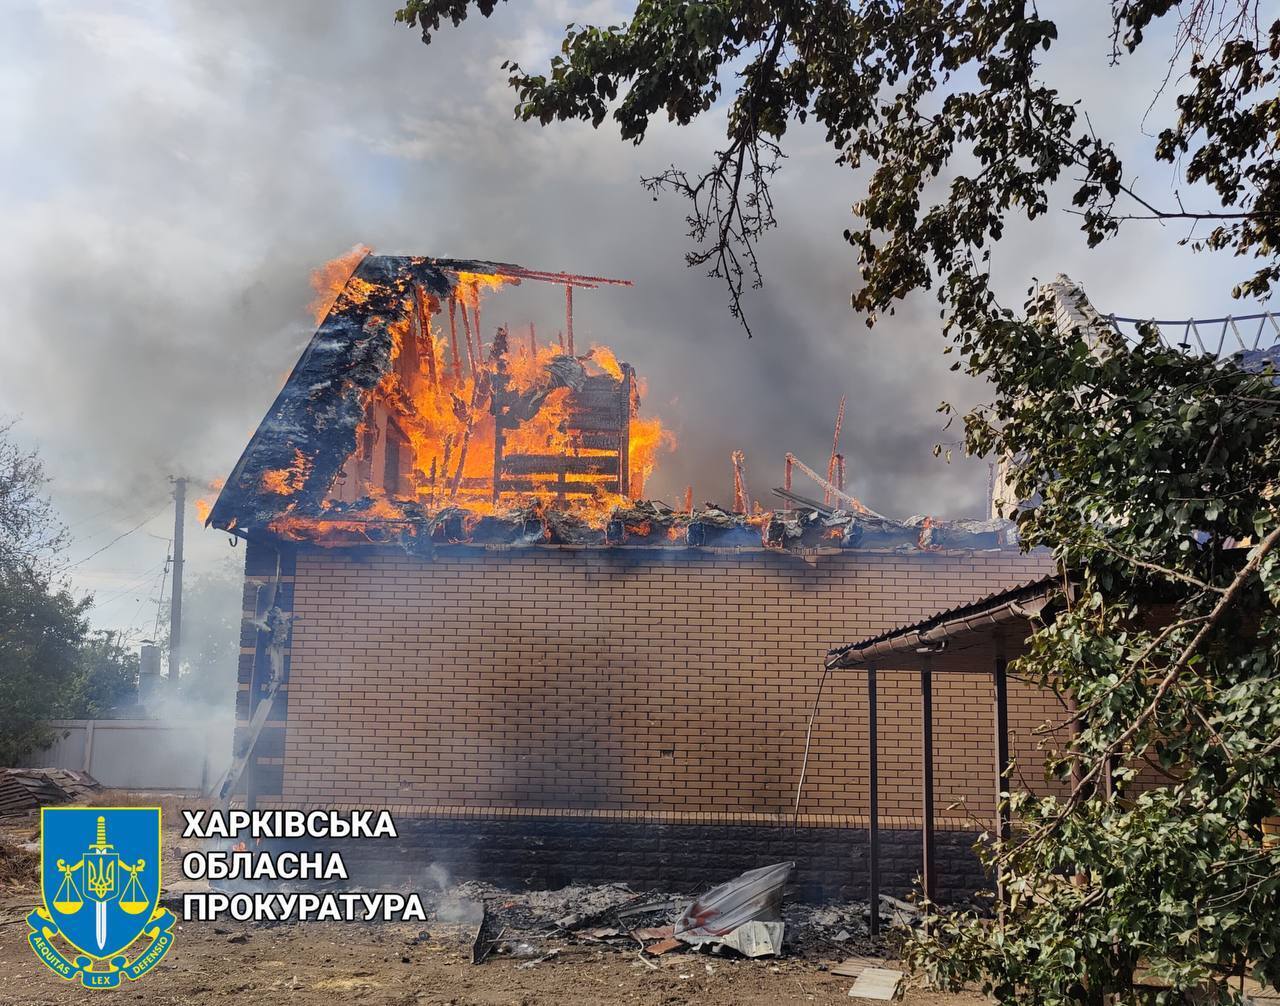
column 102, row 881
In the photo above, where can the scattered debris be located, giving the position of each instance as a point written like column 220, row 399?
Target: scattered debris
column 27, row 789
column 899, row 913
column 593, row 904
column 852, row 967
column 877, row 983
column 755, row 896
column 480, row 946
column 755, row 939
column 538, row 960
column 650, row 906
column 19, row 866
column 602, row 918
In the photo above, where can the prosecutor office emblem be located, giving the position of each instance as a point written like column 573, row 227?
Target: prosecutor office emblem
column 100, row 881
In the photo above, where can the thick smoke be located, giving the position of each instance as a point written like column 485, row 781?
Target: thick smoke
column 173, row 172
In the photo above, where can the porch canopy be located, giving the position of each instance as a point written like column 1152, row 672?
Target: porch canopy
column 980, row 637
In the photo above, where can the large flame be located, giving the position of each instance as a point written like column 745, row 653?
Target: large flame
column 332, row 278
column 288, row 480
column 204, row 503
column 429, row 432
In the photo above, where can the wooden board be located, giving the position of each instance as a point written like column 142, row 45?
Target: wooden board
column 877, row 983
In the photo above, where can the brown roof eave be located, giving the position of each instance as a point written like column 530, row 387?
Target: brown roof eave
column 936, row 637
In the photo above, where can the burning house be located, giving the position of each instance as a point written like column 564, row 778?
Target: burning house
column 460, row 605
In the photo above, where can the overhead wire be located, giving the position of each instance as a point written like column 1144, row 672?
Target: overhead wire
column 164, row 570
column 132, row 586
column 155, row 632
column 117, row 538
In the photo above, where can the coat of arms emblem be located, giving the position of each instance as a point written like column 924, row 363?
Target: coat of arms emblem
column 100, row 879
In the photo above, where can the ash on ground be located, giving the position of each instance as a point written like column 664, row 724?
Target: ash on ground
column 539, row 924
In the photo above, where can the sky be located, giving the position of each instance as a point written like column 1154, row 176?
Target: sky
column 171, row 172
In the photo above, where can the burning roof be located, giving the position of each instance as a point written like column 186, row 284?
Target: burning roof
column 403, row 422
column 391, row 409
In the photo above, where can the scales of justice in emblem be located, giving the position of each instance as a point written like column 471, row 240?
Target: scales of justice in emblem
column 100, row 883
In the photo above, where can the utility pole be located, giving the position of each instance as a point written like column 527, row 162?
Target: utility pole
column 175, row 598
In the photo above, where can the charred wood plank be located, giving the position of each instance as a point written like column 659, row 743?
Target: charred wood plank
column 611, row 396
column 595, row 421
column 597, row 441
column 571, row 487
column 555, row 464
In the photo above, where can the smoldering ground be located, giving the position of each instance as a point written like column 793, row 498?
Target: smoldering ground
column 172, row 174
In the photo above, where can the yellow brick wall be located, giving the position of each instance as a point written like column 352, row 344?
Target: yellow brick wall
column 610, row 681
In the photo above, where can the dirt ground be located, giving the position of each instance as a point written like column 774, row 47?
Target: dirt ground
column 323, row 963
column 326, row 963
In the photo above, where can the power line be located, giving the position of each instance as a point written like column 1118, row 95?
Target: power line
column 132, row 586
column 155, row 633
column 122, row 514
column 164, row 569
column 95, row 516
column 119, row 537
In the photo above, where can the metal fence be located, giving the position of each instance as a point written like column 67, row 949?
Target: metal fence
column 1218, row 336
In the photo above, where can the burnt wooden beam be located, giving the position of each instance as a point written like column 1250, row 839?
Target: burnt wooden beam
column 453, row 338
column 568, row 314
column 424, row 345
column 624, row 439
column 466, row 332
column 391, row 474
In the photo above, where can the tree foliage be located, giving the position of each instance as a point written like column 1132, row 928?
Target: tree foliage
column 1154, row 472
column 916, row 92
column 30, row 532
column 41, row 629
column 50, row 665
column 108, row 677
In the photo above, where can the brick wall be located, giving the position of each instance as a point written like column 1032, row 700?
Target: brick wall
column 627, row 685
column 552, row 852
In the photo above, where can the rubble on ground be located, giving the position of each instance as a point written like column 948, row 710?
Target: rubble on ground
column 27, row 789
column 530, row 924
column 19, row 864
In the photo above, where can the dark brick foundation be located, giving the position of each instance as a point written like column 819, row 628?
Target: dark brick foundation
column 549, row 852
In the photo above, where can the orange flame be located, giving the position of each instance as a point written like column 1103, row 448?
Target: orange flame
column 471, row 285
column 287, row 481
column 331, row 279
column 204, row 504
column 429, row 435
column 602, row 356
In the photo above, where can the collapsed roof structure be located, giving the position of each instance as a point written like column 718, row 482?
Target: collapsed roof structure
column 396, row 426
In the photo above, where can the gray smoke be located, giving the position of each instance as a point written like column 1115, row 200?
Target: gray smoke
column 173, row 172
